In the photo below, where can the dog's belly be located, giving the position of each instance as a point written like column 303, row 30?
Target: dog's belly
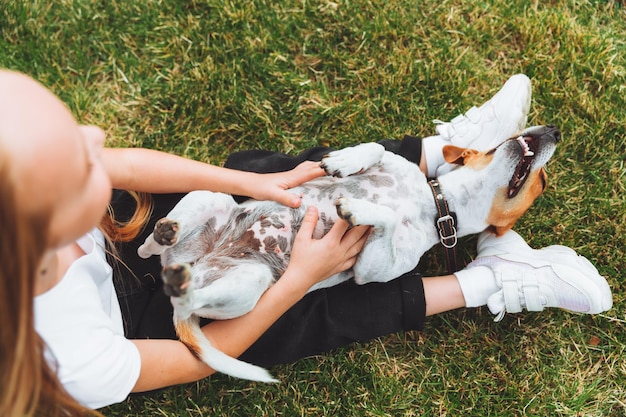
column 265, row 230
column 280, row 224
column 399, row 186
column 274, row 231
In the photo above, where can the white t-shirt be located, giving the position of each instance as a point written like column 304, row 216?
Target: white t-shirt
column 80, row 321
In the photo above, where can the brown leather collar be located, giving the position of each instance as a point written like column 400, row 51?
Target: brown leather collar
column 445, row 222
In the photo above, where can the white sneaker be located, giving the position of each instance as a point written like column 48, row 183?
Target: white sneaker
column 481, row 128
column 485, row 127
column 554, row 276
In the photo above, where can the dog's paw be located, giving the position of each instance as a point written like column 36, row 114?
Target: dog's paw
column 166, row 232
column 176, row 279
column 336, row 165
column 348, row 211
column 352, row 161
column 359, row 212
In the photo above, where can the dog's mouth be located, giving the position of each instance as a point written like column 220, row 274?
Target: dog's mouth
column 522, row 171
column 534, row 147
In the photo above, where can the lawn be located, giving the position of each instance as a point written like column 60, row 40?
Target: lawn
column 204, row 78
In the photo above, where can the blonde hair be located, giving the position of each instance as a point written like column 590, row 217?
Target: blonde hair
column 117, row 231
column 28, row 383
column 28, row 386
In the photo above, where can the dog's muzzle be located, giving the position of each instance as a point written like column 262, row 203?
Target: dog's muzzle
column 530, row 141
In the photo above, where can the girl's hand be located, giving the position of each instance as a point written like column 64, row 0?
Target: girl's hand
column 274, row 186
column 313, row 260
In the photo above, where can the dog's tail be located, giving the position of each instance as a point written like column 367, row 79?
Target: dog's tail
column 191, row 335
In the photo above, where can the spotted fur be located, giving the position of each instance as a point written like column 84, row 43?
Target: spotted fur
column 219, row 257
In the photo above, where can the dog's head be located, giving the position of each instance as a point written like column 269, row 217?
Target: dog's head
column 515, row 169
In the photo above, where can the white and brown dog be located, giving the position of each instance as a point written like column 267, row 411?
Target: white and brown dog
column 219, row 256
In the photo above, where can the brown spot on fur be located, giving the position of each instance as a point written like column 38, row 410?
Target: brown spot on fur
column 265, row 222
column 240, row 217
column 277, row 222
column 184, row 330
column 249, row 239
column 271, row 244
column 506, row 211
column 283, row 243
column 222, row 263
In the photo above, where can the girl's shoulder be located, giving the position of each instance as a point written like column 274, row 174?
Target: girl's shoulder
column 80, row 322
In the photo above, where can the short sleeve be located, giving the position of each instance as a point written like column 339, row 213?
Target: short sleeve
column 95, row 363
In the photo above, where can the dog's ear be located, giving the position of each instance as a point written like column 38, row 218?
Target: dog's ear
column 457, row 155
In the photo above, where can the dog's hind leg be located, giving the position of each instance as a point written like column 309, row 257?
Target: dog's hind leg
column 353, row 160
column 191, row 335
column 218, row 293
column 192, row 211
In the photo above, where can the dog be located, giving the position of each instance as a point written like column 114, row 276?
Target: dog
column 219, row 257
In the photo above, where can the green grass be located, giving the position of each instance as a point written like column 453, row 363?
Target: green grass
column 204, row 78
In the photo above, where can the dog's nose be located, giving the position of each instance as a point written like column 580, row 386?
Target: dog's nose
column 548, row 132
column 554, row 132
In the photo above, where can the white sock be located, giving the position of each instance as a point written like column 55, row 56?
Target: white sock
column 477, row 284
column 432, row 147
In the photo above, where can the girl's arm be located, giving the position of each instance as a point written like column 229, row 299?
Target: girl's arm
column 159, row 172
column 169, row 362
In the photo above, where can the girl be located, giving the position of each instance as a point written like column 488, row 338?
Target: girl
column 92, row 349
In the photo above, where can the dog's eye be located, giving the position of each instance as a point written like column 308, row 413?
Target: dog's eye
column 544, row 181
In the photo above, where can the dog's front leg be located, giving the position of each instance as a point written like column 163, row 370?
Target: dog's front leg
column 192, row 211
column 353, row 160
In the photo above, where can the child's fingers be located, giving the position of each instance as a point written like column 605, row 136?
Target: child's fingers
column 356, row 235
column 338, row 231
column 308, row 222
column 288, row 199
column 355, row 240
column 306, row 171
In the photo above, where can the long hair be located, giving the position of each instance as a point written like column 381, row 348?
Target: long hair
column 28, row 383
column 115, row 230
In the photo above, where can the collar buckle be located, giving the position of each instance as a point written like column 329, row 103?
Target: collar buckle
column 448, row 240
column 445, row 222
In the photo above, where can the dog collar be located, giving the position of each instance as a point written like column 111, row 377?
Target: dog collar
column 445, row 222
